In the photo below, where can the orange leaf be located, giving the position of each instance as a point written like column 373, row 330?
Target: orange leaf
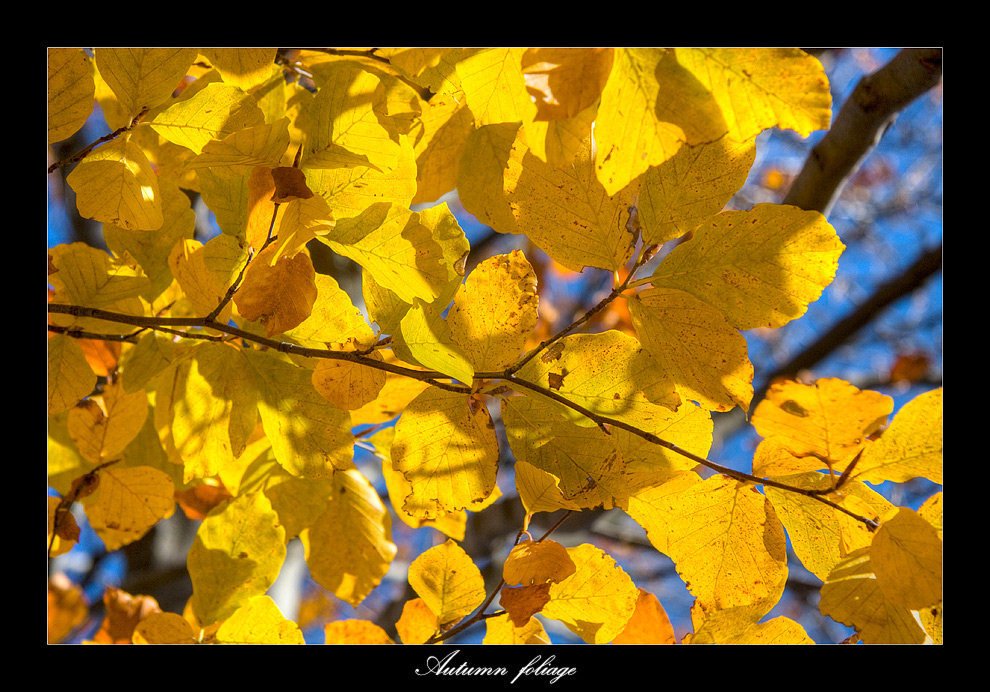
column 417, row 622
column 649, row 623
column 355, row 632
column 279, row 295
column 537, row 563
column 290, row 185
column 261, row 208
column 522, row 602
column 124, row 612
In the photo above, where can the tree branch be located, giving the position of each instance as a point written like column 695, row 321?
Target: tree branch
column 870, row 110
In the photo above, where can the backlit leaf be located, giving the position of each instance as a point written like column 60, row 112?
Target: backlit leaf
column 71, row 92
column 610, row 374
column 830, row 420
column 237, row 554
column 355, row 632
column 706, row 357
column 243, row 67
column 910, row 447
column 259, row 621
column 128, row 502
column 536, row 562
column 761, row 268
column 494, row 86
column 906, row 556
column 723, row 536
column 102, row 432
column 349, row 548
column 143, row 77
column 597, row 601
column 649, row 623
column 348, row 385
column 69, row 376
column 448, row 452
column 759, row 88
column 116, row 184
column 854, row 596
column 696, row 183
column 279, row 294
column 495, row 311
column 212, row 113
column 448, row 582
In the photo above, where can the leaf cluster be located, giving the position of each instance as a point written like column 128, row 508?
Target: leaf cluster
column 227, row 375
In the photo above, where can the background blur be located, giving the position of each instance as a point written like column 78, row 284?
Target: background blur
column 888, row 216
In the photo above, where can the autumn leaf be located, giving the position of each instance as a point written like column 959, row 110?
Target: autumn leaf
column 348, row 385
column 448, row 582
column 830, row 420
column 760, row 268
column 243, row 67
column 760, row 88
column 501, row 630
column 71, row 90
column 910, row 447
column 143, row 77
column 349, row 548
column 355, row 632
column 447, row 451
column 494, row 86
column 692, row 341
column 596, row 601
column 649, row 623
column 69, row 376
column 128, row 503
column 278, row 293
column 536, row 562
column 208, row 114
column 102, row 430
column 724, row 538
column 259, row 621
column 124, row 612
column 417, row 623
column 237, row 554
column 495, row 311
column 523, row 602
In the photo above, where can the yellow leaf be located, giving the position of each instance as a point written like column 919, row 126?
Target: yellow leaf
column 214, row 112
column 452, row 524
column 349, row 548
column 427, row 336
column 349, row 125
column 641, row 122
column 649, row 623
column 396, row 247
column 355, row 632
column 69, row 376
column 213, row 409
column 565, row 81
column 536, row 562
column 310, row 438
column 239, row 152
column 597, row 601
column 523, row 602
column 761, row 268
column 448, row 582
column 911, row 447
column 830, row 420
column 778, row 631
column 301, row 222
column 143, row 77
column 333, row 320
column 116, row 184
column 128, row 502
column 494, row 86
column 495, row 311
column 566, row 212
column 86, row 275
column 480, row 175
column 539, row 490
column 821, row 535
column 688, row 188
column 417, row 623
column 501, row 630
column 609, row 373
column 446, row 448
column 71, row 92
column 853, row 596
column 907, row 559
column 279, row 294
column 348, row 385
column 242, row 67
column 259, row 621
column 446, row 124
column 237, row 554
column 693, row 342
column 205, row 272
column 102, row 433
column 759, row 88
column 584, row 460
column 723, row 536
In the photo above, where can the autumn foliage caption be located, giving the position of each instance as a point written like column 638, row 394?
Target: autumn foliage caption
column 231, row 376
